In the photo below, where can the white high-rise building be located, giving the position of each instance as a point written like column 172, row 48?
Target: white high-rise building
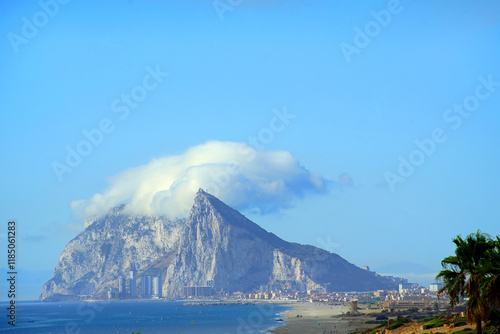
column 157, row 285
column 133, row 287
column 404, row 287
column 121, row 286
column 146, row 283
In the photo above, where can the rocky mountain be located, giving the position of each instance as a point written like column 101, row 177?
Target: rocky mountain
column 215, row 243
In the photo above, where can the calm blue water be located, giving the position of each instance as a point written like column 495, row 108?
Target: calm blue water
column 147, row 317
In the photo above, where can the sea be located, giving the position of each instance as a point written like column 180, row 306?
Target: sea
column 146, row 317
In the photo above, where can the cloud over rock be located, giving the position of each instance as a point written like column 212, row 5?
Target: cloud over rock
column 236, row 173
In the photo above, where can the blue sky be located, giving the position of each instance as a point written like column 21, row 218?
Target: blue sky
column 228, row 73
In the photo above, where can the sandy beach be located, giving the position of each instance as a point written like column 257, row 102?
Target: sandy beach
column 319, row 318
column 323, row 318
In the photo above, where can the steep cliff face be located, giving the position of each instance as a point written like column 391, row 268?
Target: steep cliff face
column 214, row 243
column 108, row 247
column 222, row 245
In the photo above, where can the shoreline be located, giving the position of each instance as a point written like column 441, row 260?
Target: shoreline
column 300, row 317
column 318, row 317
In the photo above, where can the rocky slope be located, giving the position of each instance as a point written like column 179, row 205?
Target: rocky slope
column 109, row 247
column 214, row 243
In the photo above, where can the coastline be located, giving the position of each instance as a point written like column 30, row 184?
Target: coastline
column 320, row 317
column 298, row 317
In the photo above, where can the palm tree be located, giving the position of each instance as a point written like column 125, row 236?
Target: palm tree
column 490, row 284
column 464, row 274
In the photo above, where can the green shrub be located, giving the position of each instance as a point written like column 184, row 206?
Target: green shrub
column 434, row 323
column 398, row 323
column 426, row 319
column 460, row 323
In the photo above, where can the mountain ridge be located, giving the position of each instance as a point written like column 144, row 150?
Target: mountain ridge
column 214, row 243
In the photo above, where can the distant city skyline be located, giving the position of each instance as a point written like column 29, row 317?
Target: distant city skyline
column 367, row 129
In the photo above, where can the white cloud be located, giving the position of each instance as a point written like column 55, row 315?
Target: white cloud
column 236, row 173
